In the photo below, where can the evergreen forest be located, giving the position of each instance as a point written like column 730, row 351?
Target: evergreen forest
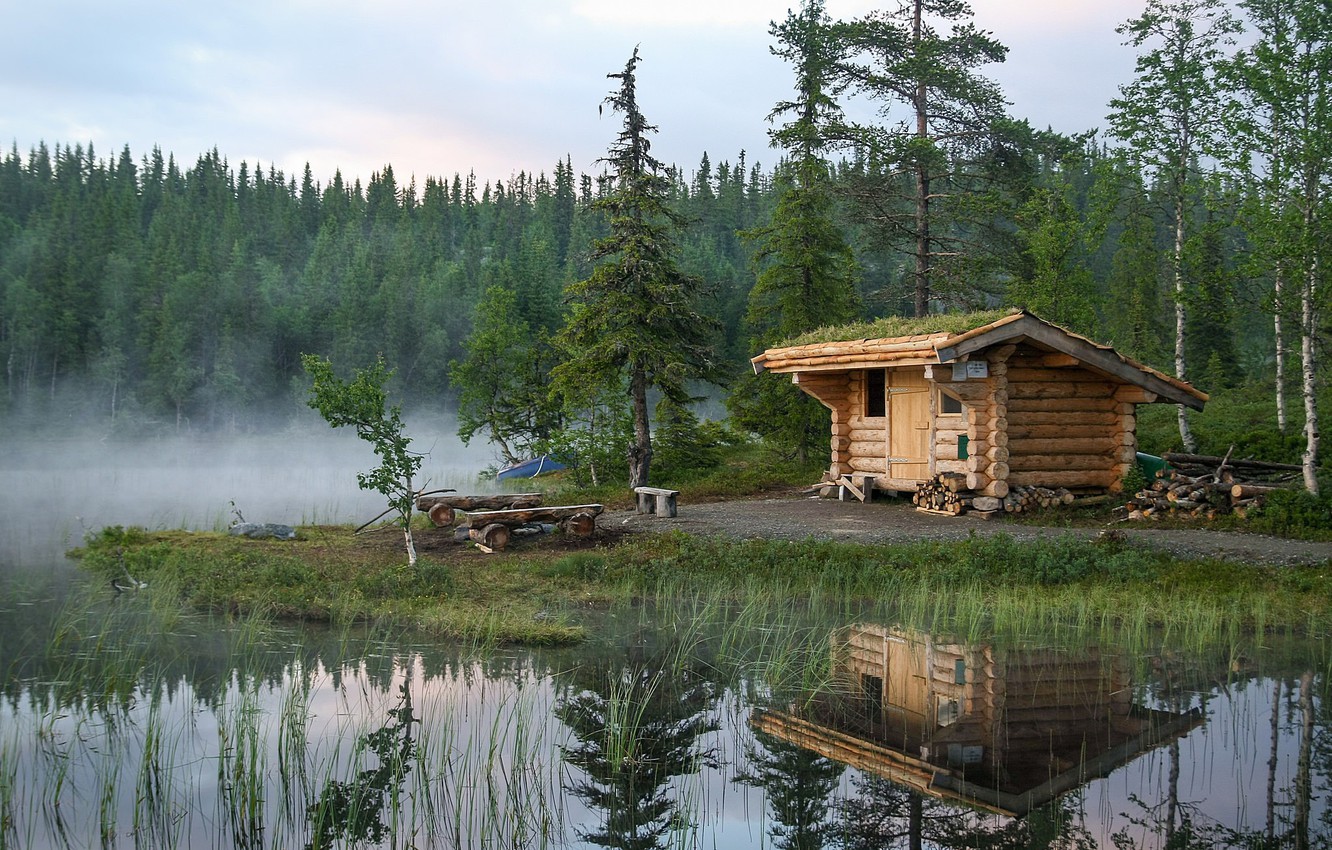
column 143, row 294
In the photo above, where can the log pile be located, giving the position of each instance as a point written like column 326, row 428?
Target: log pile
column 1029, row 498
column 1205, row 487
column 947, row 493
column 944, row 493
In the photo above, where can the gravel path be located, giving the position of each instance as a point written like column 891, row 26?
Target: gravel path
column 888, row 521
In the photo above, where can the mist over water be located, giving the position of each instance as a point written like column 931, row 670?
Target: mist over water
column 55, row 490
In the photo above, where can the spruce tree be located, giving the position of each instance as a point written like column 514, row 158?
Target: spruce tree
column 633, row 320
column 806, row 272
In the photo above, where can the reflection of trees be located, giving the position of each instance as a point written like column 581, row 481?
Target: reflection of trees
column 885, row 815
column 798, row 783
column 354, row 811
column 635, row 727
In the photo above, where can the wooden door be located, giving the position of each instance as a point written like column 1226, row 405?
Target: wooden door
column 908, row 424
column 907, row 689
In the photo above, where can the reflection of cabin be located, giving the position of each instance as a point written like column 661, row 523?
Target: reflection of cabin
column 1016, row 401
column 1004, row 730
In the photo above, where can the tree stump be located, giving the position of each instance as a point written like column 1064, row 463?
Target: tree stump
column 441, row 515
column 494, row 536
column 580, row 524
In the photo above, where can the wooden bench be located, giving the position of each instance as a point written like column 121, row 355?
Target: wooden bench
column 657, row 500
column 493, row 528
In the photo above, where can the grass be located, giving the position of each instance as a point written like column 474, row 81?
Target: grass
column 538, row 594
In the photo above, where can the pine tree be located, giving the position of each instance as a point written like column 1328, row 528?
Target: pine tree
column 900, row 59
column 634, row 319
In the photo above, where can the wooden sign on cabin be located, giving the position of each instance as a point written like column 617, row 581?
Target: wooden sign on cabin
column 1007, row 401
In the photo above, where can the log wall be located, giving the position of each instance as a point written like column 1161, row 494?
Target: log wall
column 1066, row 426
column 1037, row 419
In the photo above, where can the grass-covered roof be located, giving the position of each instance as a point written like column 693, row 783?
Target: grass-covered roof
column 899, row 326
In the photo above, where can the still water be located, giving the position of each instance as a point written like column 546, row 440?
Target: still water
column 127, row 724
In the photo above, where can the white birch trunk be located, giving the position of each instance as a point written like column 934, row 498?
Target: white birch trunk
column 1185, row 434
column 1279, row 329
column 1308, row 327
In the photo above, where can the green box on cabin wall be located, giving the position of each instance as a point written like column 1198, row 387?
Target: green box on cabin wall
column 962, row 442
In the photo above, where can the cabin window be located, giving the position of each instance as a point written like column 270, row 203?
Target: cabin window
column 949, row 405
column 872, row 689
column 876, row 390
column 947, row 711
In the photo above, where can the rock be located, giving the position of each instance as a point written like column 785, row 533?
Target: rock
column 259, row 531
column 986, row 503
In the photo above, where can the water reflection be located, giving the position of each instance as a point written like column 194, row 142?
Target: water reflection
column 957, row 744
column 139, row 727
column 1003, row 730
column 635, row 727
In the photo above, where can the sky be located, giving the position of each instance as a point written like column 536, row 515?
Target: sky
column 438, row 87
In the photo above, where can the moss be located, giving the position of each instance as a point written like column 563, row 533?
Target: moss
column 895, row 326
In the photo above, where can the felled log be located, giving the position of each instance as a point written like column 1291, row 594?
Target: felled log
column 498, row 501
column 480, row 519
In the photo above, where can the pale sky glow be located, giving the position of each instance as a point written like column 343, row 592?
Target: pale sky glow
column 435, row 87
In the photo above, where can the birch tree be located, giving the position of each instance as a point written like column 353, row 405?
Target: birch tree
column 1284, row 129
column 1169, row 117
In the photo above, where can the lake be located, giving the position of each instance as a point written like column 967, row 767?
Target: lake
column 685, row 723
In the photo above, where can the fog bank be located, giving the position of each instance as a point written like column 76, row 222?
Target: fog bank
column 54, row 490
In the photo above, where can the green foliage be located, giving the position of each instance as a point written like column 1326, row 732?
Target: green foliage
column 502, row 382
column 362, row 404
column 1295, row 513
column 354, row 811
column 919, row 183
column 682, row 444
column 635, row 319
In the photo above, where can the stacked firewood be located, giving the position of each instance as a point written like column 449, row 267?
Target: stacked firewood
column 1030, row 498
column 1206, row 487
column 946, row 492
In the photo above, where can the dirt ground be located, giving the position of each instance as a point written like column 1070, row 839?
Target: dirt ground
column 795, row 517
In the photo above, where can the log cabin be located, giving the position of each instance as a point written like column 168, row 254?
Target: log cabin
column 1004, row 730
column 1006, row 401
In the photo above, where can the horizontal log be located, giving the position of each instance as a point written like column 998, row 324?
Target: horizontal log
column 481, row 519
column 1061, row 390
column 1241, row 463
column 1066, row 418
column 1063, row 445
column 441, row 515
column 493, row 536
column 868, row 464
column 1081, row 478
column 1025, row 375
column 1248, row 491
column 488, row 502
column 998, row 489
column 1024, row 405
column 1017, row 431
column 950, row 465
column 1055, row 463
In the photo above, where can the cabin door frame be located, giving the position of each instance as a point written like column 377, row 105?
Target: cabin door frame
column 907, row 441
